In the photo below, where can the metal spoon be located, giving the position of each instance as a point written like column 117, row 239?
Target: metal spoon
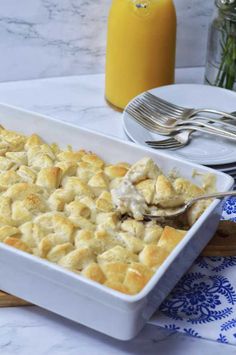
column 173, row 213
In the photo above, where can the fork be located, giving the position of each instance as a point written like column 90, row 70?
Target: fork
column 179, row 111
column 137, row 107
column 155, row 127
column 178, row 140
column 138, row 104
column 146, row 118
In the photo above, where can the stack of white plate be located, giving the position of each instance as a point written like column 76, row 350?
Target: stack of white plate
column 216, row 152
column 227, row 169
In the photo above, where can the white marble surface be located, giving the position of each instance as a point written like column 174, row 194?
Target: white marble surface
column 32, row 330
column 45, row 38
column 77, row 99
column 41, row 38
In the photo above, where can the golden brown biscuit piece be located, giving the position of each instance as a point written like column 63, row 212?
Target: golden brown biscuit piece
column 59, row 198
column 137, row 276
column 153, row 255
column 170, row 238
column 94, row 272
column 98, row 183
column 117, row 254
column 20, row 214
column 17, row 243
column 107, row 220
column 9, row 231
column 103, row 241
column 78, row 259
column 33, row 140
column 147, row 189
column 49, row 178
column 79, row 187
column 70, row 156
column 52, row 222
column 104, row 202
column 5, row 207
column 31, row 234
column 8, row 178
column 27, row 174
column 12, row 141
column 117, row 286
column 186, row 188
column 98, row 241
column 21, row 190
column 134, row 227
column 43, row 247
column 114, row 271
column 40, row 156
column 82, row 223
column 143, row 169
column 131, row 243
column 93, row 159
column 59, row 251
column 4, row 221
column 164, row 190
column 152, row 233
column 24, row 210
column 86, row 171
column 84, row 238
column 115, row 171
column 196, row 210
column 19, row 158
column 5, row 164
column 77, row 209
column 68, row 168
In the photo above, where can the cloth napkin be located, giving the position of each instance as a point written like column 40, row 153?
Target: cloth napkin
column 203, row 304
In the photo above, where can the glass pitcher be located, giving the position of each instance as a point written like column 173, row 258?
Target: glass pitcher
column 221, row 53
column 141, row 45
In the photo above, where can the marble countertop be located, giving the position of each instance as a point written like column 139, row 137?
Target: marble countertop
column 45, row 38
column 32, row 330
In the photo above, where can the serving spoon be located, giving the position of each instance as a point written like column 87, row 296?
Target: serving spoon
column 165, row 214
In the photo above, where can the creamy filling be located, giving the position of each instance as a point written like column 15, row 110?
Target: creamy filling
column 128, row 199
column 143, row 169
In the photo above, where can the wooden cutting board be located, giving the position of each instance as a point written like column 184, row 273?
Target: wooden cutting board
column 222, row 244
column 7, row 300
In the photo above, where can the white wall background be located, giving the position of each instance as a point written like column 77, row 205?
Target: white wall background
column 43, row 38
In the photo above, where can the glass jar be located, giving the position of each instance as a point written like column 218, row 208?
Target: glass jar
column 221, row 53
column 140, row 48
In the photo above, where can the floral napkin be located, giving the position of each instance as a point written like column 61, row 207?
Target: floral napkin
column 203, row 304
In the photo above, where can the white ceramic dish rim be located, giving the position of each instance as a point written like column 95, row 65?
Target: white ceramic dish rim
column 159, row 273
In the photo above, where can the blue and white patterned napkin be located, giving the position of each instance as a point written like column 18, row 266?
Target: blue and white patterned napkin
column 203, row 304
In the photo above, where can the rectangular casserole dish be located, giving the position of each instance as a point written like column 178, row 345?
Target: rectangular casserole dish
column 82, row 300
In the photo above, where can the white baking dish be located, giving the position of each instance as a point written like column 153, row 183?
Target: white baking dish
column 82, row 300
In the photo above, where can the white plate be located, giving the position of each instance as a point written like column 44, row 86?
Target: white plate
column 203, row 149
column 226, row 168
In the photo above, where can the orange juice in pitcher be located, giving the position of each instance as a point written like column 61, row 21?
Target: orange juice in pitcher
column 140, row 48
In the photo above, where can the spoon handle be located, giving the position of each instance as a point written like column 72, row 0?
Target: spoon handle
column 219, row 195
column 183, row 209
